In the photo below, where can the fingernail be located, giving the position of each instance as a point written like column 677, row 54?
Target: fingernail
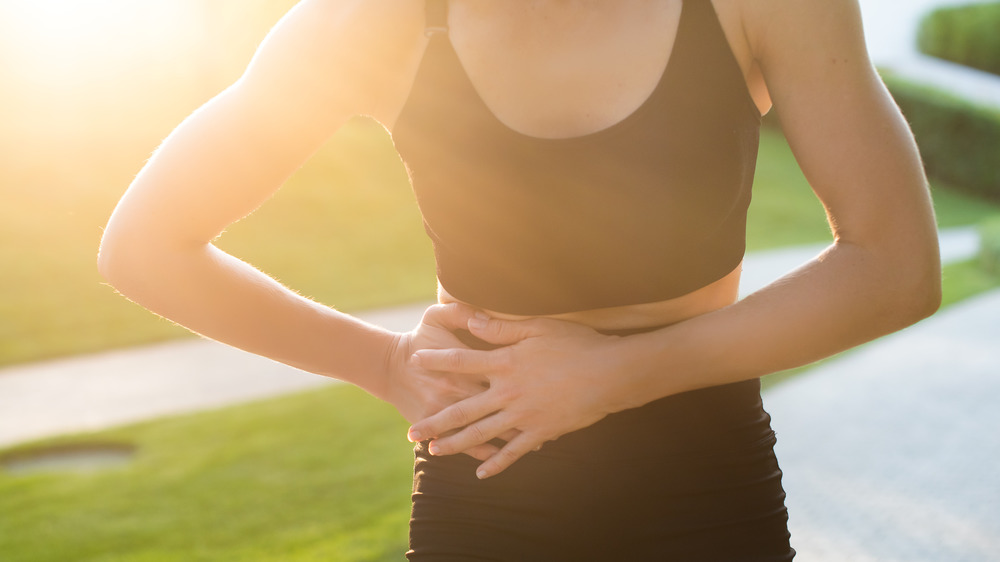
column 434, row 449
column 481, row 474
column 482, row 315
column 477, row 322
column 415, row 359
column 414, row 436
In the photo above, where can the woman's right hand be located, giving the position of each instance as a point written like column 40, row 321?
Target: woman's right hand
column 418, row 393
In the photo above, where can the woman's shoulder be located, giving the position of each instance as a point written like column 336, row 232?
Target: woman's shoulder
column 322, row 24
column 772, row 25
column 356, row 54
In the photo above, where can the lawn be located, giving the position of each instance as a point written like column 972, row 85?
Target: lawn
column 323, row 475
column 345, row 230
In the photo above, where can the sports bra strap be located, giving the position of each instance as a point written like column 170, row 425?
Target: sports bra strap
column 436, row 17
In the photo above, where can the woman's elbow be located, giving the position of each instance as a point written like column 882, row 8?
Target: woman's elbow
column 127, row 257
column 113, row 258
column 921, row 288
column 927, row 300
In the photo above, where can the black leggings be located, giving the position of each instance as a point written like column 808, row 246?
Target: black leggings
column 688, row 477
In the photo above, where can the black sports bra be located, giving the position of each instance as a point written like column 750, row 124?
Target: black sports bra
column 649, row 209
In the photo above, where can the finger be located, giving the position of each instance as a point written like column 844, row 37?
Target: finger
column 507, row 455
column 487, row 450
column 509, row 434
column 498, row 331
column 476, row 433
column 468, row 361
column 454, row 417
column 482, row 452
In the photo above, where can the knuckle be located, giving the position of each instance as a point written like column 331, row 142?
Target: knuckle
column 459, row 415
column 499, row 328
column 452, row 310
column 508, row 393
column 477, row 434
column 451, row 359
column 508, row 456
column 500, row 359
column 431, row 311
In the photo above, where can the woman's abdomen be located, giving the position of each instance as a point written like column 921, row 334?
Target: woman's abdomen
column 712, row 297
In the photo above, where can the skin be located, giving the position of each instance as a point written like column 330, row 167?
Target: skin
column 553, row 68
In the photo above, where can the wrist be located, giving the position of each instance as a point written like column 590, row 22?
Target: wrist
column 395, row 354
column 643, row 372
column 622, row 390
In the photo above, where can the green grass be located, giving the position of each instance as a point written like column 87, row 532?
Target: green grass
column 961, row 281
column 784, row 211
column 323, row 475
column 964, row 34
column 966, row 279
column 345, row 230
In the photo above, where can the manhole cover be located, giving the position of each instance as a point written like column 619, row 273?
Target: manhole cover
column 77, row 457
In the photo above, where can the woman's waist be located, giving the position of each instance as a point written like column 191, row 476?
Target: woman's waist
column 716, row 295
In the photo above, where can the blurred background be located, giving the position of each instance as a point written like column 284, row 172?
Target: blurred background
column 88, row 88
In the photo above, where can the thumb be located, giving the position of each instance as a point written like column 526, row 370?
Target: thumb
column 451, row 316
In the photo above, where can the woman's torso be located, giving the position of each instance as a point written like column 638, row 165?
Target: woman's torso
column 554, row 70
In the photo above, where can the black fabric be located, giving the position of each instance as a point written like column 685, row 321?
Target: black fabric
column 691, row 477
column 649, row 209
column 436, row 17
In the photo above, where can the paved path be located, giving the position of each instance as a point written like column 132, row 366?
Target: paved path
column 107, row 389
column 103, row 390
column 889, row 452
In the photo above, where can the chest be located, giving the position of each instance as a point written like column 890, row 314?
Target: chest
column 556, row 69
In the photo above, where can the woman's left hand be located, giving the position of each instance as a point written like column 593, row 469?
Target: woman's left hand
column 550, row 378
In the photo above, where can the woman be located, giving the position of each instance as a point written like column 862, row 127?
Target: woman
column 583, row 169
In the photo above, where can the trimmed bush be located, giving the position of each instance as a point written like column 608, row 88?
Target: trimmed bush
column 959, row 141
column 968, row 35
column 989, row 249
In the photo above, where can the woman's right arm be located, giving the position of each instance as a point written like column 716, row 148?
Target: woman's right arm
column 324, row 62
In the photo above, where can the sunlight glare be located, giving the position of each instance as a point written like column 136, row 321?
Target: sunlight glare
column 71, row 36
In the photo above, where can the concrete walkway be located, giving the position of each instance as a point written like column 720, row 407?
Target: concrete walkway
column 106, row 389
column 889, row 452
column 92, row 392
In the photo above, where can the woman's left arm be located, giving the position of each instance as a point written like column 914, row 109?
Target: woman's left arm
column 883, row 271
column 881, row 274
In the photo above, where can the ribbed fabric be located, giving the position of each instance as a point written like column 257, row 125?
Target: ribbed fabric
column 691, row 477
column 648, row 209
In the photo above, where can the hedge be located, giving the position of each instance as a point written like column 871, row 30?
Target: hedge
column 968, row 35
column 959, row 141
